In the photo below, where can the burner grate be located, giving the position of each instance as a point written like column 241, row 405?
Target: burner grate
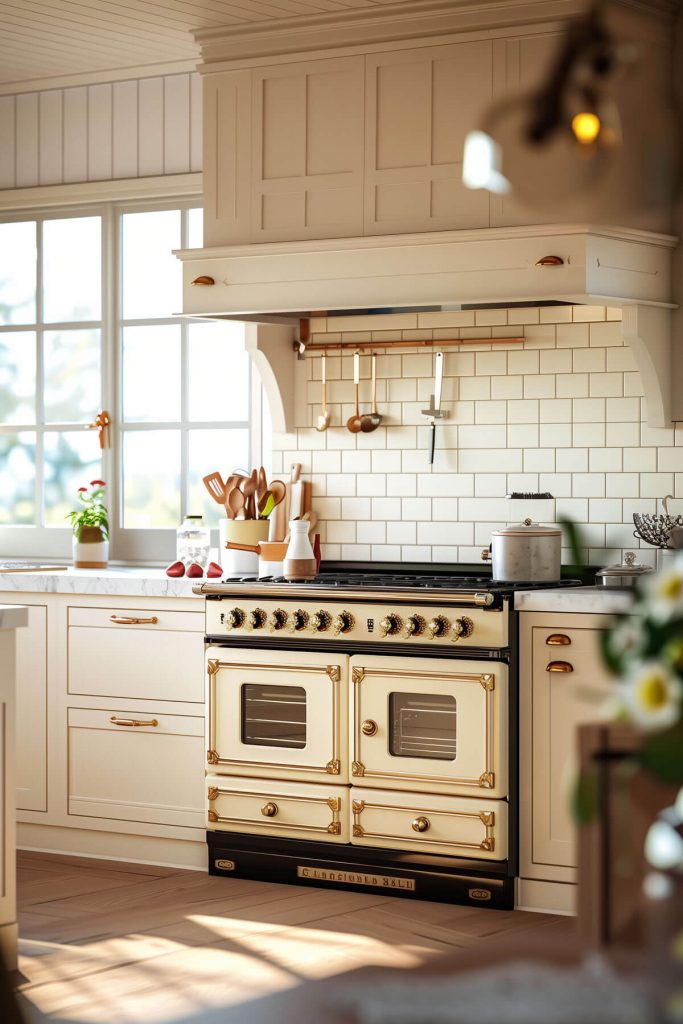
column 378, row 581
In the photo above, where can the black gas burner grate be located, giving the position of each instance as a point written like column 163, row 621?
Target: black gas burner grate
column 378, row 581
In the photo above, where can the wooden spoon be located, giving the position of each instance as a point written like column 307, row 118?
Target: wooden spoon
column 235, row 502
column 372, row 420
column 354, row 422
column 249, row 489
column 324, row 418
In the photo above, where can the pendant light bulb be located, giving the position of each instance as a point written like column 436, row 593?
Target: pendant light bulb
column 586, row 127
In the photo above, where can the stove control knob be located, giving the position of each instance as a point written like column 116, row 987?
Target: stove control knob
column 320, row 621
column 437, row 627
column 256, row 619
column 234, row 618
column 278, row 620
column 390, row 625
column 343, row 623
column 299, row 620
column 415, row 626
column 462, row 628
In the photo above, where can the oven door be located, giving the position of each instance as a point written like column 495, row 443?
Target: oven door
column 436, row 725
column 277, row 714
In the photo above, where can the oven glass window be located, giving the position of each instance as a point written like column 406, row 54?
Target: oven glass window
column 273, row 716
column 422, row 725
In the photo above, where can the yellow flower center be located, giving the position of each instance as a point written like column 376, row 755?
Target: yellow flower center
column 653, row 692
column 671, row 587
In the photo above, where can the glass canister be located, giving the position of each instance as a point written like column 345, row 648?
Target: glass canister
column 299, row 562
column 193, row 541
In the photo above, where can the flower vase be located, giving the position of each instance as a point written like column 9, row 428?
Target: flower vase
column 90, row 548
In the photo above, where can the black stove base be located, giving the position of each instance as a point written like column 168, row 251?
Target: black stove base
column 324, row 865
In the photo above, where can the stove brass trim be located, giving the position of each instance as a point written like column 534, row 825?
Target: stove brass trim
column 355, row 877
column 212, row 792
column 331, row 767
column 358, row 768
column 333, row 802
column 464, row 598
column 212, row 666
column 487, row 818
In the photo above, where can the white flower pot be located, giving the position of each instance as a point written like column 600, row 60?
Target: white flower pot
column 90, row 551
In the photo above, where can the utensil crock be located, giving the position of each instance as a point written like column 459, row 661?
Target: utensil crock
column 241, row 531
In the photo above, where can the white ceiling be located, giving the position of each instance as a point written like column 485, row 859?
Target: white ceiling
column 45, row 39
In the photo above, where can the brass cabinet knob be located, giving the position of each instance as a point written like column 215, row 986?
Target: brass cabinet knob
column 203, row 279
column 369, row 728
column 420, row 824
column 559, row 666
column 269, row 810
column 558, row 640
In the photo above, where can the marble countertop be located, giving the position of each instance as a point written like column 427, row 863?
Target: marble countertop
column 13, row 616
column 596, row 600
column 124, row 581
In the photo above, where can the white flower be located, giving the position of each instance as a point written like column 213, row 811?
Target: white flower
column 652, row 695
column 628, row 637
column 664, row 592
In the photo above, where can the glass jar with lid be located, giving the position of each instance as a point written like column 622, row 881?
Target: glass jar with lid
column 193, row 541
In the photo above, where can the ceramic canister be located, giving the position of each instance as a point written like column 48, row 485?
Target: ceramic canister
column 299, row 563
column 241, row 531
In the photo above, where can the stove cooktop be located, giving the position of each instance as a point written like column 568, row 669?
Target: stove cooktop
column 393, row 581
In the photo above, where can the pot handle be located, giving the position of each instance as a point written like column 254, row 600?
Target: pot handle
column 486, row 555
column 242, row 547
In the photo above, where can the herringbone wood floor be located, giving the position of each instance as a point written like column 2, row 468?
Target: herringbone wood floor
column 105, row 942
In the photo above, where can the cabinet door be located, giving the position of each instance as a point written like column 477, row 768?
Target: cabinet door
column 563, row 687
column 227, row 158
column 437, row 727
column 307, row 146
column 420, row 105
column 31, row 757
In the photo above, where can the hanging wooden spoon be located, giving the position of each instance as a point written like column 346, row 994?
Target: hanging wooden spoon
column 324, row 418
column 354, row 422
column 372, row 420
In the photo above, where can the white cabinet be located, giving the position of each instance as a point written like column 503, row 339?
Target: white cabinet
column 563, row 684
column 31, row 716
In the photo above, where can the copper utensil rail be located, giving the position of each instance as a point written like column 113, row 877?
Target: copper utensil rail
column 340, row 346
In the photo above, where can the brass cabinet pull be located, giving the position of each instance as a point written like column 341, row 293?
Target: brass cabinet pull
column 420, row 824
column 269, row 810
column 203, row 279
column 132, row 722
column 558, row 640
column 129, row 620
column 369, row 728
column 559, row 666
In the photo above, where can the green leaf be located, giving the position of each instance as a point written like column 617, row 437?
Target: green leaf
column 662, row 754
column 584, row 798
column 573, row 537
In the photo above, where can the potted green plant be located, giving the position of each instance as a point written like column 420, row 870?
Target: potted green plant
column 90, row 525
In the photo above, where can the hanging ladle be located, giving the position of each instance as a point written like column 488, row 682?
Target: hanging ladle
column 354, row 422
column 371, row 420
column 324, row 418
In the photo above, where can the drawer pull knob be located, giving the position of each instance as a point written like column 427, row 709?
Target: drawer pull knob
column 559, row 666
column 558, row 640
column 269, row 810
column 129, row 620
column 132, row 723
column 420, row 824
column 369, row 728
column 203, row 279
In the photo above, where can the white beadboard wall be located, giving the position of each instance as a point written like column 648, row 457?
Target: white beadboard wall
column 129, row 129
column 562, row 412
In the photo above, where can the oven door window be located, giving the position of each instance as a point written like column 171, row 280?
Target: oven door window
column 422, row 725
column 273, row 716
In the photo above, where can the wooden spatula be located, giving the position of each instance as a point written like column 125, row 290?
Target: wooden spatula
column 216, row 488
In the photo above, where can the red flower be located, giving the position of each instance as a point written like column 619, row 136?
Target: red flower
column 83, row 489
column 97, row 483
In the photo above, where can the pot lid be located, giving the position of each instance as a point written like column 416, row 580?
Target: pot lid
column 528, row 529
column 629, row 567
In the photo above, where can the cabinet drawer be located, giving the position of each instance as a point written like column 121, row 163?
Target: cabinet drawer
column 457, row 826
column 263, row 807
column 136, row 654
column 134, row 766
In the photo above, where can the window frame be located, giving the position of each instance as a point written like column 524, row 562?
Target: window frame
column 130, row 546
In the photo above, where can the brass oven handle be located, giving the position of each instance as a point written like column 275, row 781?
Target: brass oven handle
column 558, row 640
column 420, row 824
column 269, row 810
column 559, row 666
column 130, row 620
column 369, row 728
column 132, row 722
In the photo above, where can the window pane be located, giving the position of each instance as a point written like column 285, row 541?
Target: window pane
column 73, row 391
column 209, row 450
column 72, row 460
column 151, row 479
column 72, row 269
column 152, row 278
column 195, row 228
column 217, row 357
column 17, row 479
column 18, row 255
column 18, row 377
column 151, row 374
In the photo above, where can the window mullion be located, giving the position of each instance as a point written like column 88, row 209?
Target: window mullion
column 40, row 382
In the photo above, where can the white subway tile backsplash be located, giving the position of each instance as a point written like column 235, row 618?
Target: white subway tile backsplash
column 563, row 412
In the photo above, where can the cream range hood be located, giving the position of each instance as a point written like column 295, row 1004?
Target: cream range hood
column 279, row 283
